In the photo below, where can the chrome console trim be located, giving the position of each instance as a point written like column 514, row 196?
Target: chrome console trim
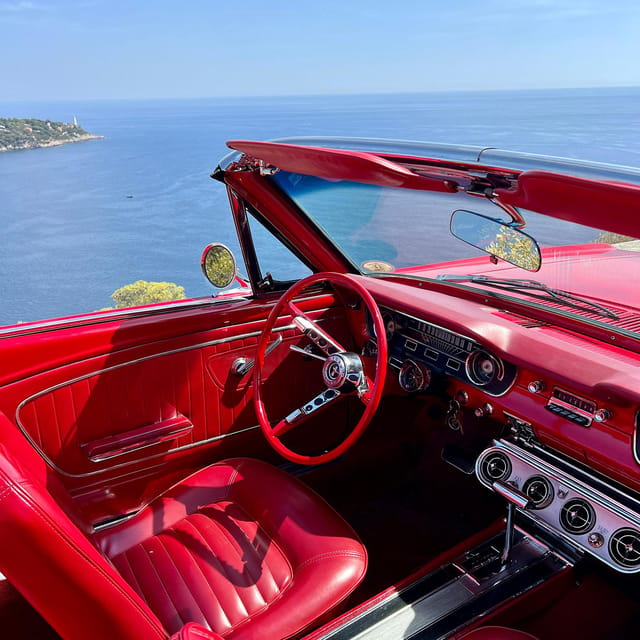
column 450, row 598
column 611, row 512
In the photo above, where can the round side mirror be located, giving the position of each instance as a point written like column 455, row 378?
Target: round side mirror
column 218, row 265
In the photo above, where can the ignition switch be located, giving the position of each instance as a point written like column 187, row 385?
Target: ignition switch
column 454, row 416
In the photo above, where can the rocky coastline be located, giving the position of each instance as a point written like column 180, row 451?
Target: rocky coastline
column 18, row 134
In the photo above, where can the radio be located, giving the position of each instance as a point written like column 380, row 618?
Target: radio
column 572, row 407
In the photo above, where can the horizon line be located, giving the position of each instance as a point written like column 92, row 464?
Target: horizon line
column 318, row 95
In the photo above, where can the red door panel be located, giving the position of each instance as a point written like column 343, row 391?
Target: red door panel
column 123, row 424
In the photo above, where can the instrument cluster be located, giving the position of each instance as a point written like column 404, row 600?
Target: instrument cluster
column 418, row 350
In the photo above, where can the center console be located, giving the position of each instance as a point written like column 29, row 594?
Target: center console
column 562, row 510
column 583, row 509
column 448, row 599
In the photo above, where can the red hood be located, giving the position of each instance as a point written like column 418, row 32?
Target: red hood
column 591, row 270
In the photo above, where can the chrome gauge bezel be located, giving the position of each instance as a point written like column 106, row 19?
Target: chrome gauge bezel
column 448, row 357
column 476, row 358
column 611, row 515
column 421, row 374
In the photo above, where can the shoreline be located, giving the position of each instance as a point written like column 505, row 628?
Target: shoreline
column 51, row 143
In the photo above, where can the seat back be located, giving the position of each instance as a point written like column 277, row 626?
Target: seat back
column 47, row 553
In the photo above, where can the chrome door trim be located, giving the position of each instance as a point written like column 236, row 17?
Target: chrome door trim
column 60, row 385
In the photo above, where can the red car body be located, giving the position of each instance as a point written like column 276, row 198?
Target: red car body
column 110, row 410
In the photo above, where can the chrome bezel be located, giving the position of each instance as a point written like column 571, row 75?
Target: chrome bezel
column 474, row 344
column 468, row 367
column 611, row 515
column 417, row 366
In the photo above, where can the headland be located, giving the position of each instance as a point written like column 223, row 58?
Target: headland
column 31, row 133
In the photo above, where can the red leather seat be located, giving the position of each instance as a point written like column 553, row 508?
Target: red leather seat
column 496, row 633
column 240, row 548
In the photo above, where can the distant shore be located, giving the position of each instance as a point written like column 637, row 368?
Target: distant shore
column 18, row 134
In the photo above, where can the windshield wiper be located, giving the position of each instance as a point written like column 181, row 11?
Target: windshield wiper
column 535, row 289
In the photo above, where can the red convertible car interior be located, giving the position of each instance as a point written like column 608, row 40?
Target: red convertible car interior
column 411, row 412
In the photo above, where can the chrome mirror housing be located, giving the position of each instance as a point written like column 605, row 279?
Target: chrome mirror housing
column 503, row 241
column 218, row 265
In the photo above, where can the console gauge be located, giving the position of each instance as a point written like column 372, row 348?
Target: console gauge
column 414, row 376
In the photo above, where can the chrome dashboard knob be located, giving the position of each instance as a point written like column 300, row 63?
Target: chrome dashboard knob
column 602, row 415
column 485, row 410
column 596, row 540
column 536, row 386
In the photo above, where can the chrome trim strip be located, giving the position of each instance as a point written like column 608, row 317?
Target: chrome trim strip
column 178, row 432
column 43, row 326
column 88, row 319
column 634, row 443
column 605, row 502
column 483, row 156
column 60, row 385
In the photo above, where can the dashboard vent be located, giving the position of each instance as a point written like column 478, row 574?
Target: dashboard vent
column 495, row 466
column 539, row 490
column 577, row 516
column 624, row 547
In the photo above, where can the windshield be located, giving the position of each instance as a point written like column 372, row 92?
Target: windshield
column 384, row 229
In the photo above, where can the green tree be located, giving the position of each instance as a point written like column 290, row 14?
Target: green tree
column 144, row 292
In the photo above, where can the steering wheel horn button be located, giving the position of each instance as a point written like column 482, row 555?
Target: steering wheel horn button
column 343, row 372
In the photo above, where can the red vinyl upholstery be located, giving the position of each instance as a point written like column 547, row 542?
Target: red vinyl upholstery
column 496, row 633
column 240, row 548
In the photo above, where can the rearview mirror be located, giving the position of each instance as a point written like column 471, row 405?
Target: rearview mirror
column 497, row 239
column 218, row 265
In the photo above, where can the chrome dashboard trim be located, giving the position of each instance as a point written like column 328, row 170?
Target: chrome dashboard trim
column 634, row 442
column 569, row 484
column 475, row 343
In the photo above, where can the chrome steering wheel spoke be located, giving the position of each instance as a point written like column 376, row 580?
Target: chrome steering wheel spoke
column 321, row 401
column 312, row 330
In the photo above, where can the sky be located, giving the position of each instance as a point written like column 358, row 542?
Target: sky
column 86, row 49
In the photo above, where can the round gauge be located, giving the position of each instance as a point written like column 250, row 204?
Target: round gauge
column 414, row 376
column 483, row 368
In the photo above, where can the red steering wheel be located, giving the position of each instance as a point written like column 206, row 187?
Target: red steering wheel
column 343, row 371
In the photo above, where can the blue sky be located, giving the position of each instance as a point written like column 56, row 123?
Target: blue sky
column 78, row 49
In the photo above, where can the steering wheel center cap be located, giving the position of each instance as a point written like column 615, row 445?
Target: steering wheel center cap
column 343, row 371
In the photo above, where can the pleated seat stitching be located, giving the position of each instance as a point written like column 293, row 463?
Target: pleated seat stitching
column 251, row 546
column 229, row 536
column 194, row 558
column 184, row 582
column 173, row 604
column 137, row 586
column 224, row 572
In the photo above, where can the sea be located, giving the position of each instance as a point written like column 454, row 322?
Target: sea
column 81, row 220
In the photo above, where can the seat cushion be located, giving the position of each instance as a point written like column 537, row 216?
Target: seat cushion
column 240, row 548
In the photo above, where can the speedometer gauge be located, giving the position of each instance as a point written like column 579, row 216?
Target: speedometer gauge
column 414, row 376
column 483, row 368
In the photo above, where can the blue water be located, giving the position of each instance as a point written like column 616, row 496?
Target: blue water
column 81, row 220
